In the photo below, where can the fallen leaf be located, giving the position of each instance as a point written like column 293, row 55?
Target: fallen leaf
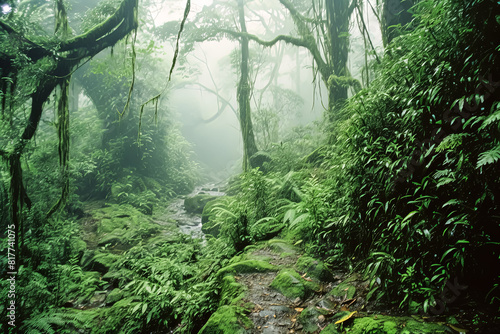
column 461, row 330
column 299, row 309
column 344, row 318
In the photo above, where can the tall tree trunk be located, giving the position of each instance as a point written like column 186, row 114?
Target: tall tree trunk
column 243, row 92
column 395, row 17
column 338, row 13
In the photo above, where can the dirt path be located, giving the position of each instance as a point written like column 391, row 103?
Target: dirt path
column 273, row 312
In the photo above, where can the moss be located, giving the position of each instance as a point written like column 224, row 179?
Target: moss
column 227, row 320
column 330, row 329
column 394, row 325
column 118, row 277
column 309, row 318
column 78, row 246
column 232, row 292
column 247, row 266
column 281, row 246
column 290, row 284
column 102, row 262
column 247, row 256
column 114, row 296
column 313, row 267
column 122, row 226
column 343, row 290
column 196, row 203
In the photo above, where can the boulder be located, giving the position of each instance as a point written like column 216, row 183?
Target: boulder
column 228, row 319
column 196, row 203
column 292, row 285
column 313, row 267
column 261, row 160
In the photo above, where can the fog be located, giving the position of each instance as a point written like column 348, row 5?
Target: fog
column 218, row 143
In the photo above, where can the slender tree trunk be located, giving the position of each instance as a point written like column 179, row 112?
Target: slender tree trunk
column 395, row 13
column 243, row 91
column 338, row 14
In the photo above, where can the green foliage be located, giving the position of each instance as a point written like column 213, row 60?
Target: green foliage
column 420, row 147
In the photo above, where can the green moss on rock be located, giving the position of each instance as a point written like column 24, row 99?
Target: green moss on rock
column 343, row 290
column 394, row 325
column 100, row 262
column 290, row 284
column 247, row 266
column 196, row 203
column 313, row 267
column 114, row 296
column 309, row 319
column 232, row 292
column 227, row 320
column 281, row 246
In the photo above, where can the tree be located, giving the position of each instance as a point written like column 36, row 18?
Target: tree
column 395, row 18
column 325, row 34
column 32, row 67
column 243, row 93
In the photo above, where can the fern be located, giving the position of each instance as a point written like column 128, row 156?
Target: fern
column 489, row 157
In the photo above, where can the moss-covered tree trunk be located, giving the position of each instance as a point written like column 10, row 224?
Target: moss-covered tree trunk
column 243, row 93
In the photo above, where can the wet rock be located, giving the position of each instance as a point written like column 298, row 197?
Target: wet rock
column 196, row 203
column 310, row 318
column 114, row 296
column 100, row 262
column 343, row 291
column 227, row 320
column 247, row 266
column 290, row 284
column 313, row 267
column 98, row 298
column 393, row 325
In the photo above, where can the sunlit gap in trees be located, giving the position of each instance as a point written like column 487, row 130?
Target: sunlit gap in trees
column 172, row 10
column 6, row 8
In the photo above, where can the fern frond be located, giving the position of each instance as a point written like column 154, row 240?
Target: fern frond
column 489, row 157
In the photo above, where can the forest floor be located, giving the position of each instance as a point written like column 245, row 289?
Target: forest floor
column 299, row 294
column 271, row 287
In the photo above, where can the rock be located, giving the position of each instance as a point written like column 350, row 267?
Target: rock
column 261, row 160
column 231, row 291
column 207, row 220
column 121, row 226
column 227, row 320
column 343, row 291
column 247, row 266
column 290, row 284
column 100, row 262
column 310, row 317
column 393, row 325
column 314, row 268
column 114, row 296
column 98, row 298
column 196, row 203
column 281, row 247
column 330, row 329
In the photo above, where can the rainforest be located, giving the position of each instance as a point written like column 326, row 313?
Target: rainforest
column 249, row 166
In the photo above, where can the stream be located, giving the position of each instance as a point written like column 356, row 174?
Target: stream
column 188, row 223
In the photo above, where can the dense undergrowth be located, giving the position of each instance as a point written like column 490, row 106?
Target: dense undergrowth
column 404, row 191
